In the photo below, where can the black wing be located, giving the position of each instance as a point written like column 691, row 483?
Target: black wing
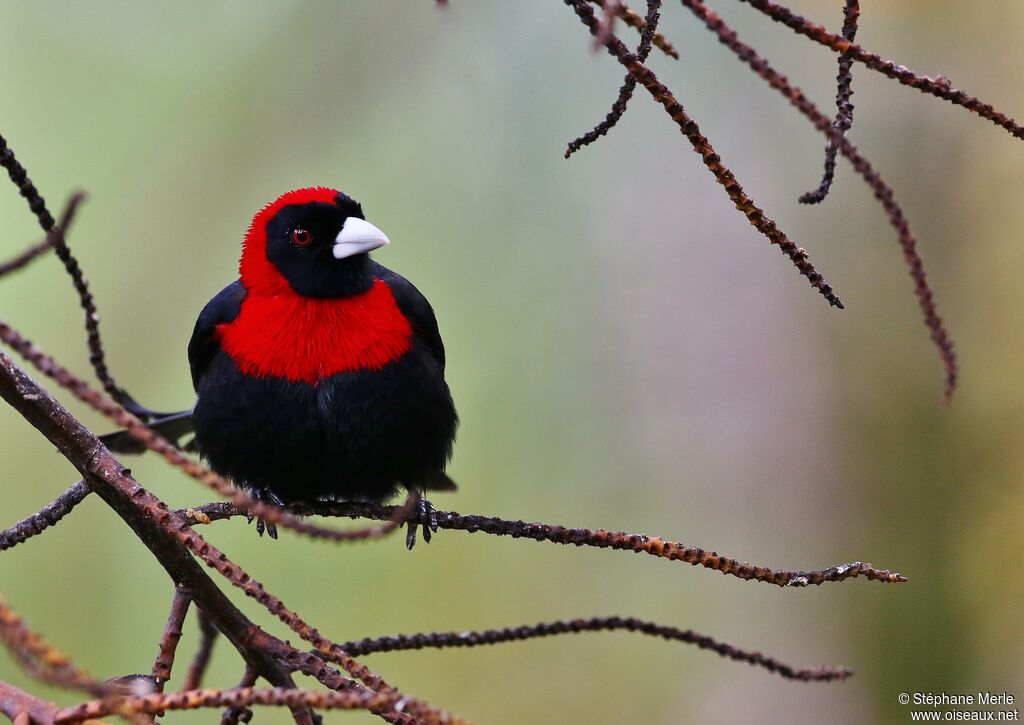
column 415, row 307
column 203, row 345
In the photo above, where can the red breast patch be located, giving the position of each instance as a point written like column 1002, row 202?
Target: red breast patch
column 305, row 339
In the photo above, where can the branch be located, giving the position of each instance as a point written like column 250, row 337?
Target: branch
column 172, row 634
column 443, row 640
column 235, row 697
column 844, row 108
column 636, row 21
column 55, row 236
column 50, row 514
column 598, row 538
column 25, row 709
column 939, row 87
column 22, row 260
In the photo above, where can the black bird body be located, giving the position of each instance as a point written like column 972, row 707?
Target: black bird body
column 319, row 373
column 353, row 434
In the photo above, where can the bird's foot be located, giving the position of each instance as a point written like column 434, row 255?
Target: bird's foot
column 424, row 515
column 261, row 525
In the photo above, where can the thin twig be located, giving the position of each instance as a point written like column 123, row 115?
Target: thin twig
column 844, row 107
column 56, row 237
column 628, row 85
column 442, row 640
column 36, row 250
column 598, row 538
column 48, row 516
column 172, row 634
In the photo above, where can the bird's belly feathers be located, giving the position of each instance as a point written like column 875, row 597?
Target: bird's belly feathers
column 307, row 339
column 359, row 433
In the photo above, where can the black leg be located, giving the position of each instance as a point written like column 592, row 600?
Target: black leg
column 423, row 515
column 261, row 525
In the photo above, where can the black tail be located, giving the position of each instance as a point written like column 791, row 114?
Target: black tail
column 173, row 427
column 440, row 482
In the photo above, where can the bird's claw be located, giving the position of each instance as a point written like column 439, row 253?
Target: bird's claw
column 265, row 526
column 424, row 515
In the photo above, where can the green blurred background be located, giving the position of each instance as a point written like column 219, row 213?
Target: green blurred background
column 625, row 350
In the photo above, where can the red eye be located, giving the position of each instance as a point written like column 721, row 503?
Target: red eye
column 301, row 237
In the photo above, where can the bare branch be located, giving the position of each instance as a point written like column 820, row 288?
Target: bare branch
column 50, row 514
column 25, row 709
column 844, row 108
column 599, row 538
column 443, row 640
column 36, row 250
column 169, row 640
column 235, row 697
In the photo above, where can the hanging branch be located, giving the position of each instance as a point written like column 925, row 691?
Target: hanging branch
column 844, row 108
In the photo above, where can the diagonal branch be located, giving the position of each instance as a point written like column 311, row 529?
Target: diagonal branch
column 25, row 709
column 755, row 215
column 883, row 192
column 24, row 258
column 50, row 514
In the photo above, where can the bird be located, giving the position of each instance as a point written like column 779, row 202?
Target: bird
column 318, row 373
